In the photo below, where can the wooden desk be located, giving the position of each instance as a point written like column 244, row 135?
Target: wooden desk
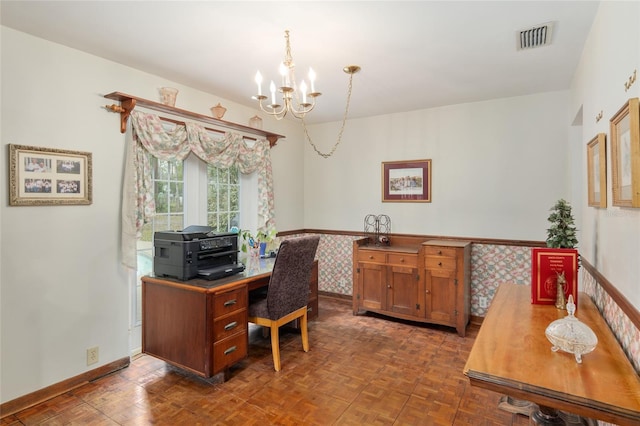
column 201, row 325
column 512, row 355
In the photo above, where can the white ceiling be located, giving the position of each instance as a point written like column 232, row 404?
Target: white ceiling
column 414, row 55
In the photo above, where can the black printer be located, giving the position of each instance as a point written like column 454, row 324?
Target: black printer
column 195, row 252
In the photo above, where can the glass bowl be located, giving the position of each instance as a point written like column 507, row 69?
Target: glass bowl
column 570, row 335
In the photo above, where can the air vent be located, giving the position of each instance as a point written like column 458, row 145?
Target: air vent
column 540, row 35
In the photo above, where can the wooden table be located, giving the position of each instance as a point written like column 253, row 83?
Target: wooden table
column 512, row 355
column 201, row 326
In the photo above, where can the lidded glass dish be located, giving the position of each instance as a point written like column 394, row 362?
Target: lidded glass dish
column 570, row 335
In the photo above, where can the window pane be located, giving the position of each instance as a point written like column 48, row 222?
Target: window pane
column 223, row 198
column 162, row 197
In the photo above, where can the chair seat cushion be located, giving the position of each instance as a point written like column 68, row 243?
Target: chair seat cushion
column 259, row 309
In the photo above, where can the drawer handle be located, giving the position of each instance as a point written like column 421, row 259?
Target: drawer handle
column 439, row 251
column 231, row 350
column 401, row 259
column 230, row 302
column 231, row 325
column 370, row 257
column 428, row 292
column 439, row 263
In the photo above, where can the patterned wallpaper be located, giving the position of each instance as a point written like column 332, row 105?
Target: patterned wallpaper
column 491, row 265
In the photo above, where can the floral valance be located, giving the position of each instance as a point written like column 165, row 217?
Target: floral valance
column 151, row 138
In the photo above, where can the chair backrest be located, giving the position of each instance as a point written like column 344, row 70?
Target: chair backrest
column 289, row 283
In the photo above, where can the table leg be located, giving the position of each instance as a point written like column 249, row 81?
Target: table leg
column 546, row 416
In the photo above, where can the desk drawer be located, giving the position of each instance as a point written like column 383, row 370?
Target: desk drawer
column 409, row 260
column 439, row 262
column 230, row 325
column 439, row 251
column 230, row 301
column 372, row 256
column 229, row 351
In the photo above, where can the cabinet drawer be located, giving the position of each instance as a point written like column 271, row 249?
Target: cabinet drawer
column 439, row 262
column 230, row 325
column 230, row 301
column 410, row 260
column 372, row 256
column 229, row 351
column 439, row 251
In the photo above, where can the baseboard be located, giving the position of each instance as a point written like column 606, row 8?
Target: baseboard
column 11, row 407
column 336, row 296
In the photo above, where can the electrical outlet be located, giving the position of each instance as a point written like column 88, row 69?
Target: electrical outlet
column 92, row 355
column 482, row 301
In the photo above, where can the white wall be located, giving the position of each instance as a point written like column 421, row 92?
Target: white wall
column 610, row 236
column 63, row 288
column 498, row 166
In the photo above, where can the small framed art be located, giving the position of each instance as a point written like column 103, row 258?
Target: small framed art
column 406, row 181
column 597, row 171
column 625, row 153
column 48, row 176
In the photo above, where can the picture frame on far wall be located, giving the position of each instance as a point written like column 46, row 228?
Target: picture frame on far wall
column 625, row 155
column 597, row 171
column 406, row 181
column 48, row 176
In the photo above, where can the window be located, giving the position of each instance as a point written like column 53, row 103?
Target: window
column 223, row 198
column 180, row 203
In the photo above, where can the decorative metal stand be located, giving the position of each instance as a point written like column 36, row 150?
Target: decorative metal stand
column 377, row 229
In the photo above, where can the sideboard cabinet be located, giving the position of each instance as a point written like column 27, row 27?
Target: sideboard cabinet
column 414, row 280
column 447, row 282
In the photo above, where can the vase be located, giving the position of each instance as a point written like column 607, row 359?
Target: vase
column 168, row 96
column 255, row 122
column 218, row 111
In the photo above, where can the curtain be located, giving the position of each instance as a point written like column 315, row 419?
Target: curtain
column 150, row 138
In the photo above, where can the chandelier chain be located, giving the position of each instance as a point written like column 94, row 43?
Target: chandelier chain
column 344, row 121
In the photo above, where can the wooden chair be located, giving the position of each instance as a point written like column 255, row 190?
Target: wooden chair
column 288, row 291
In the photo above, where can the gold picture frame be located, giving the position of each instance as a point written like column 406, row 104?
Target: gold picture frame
column 406, row 181
column 48, row 176
column 597, row 171
column 625, row 155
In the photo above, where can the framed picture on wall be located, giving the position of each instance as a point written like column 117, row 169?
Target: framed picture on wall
column 48, row 176
column 406, row 181
column 625, row 153
column 597, row 171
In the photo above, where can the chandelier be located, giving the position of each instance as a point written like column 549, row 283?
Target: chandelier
column 297, row 99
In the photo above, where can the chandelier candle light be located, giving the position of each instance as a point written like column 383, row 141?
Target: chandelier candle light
column 288, row 88
column 297, row 100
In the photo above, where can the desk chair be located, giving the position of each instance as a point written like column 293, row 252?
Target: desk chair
column 288, row 291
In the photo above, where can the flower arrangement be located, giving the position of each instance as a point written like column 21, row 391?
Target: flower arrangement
column 250, row 240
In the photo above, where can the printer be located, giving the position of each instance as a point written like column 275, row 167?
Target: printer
column 195, row 252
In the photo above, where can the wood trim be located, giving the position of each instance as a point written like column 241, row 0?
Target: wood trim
column 626, row 307
column 347, row 298
column 29, row 400
column 494, row 241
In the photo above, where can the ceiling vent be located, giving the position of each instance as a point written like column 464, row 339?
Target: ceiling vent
column 540, row 35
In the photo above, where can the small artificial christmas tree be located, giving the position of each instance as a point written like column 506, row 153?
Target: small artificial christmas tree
column 562, row 233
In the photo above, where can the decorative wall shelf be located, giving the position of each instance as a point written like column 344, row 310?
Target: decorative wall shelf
column 128, row 103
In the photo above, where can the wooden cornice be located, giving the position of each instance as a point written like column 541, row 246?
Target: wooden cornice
column 129, row 102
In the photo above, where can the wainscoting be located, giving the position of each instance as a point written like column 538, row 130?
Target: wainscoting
column 492, row 263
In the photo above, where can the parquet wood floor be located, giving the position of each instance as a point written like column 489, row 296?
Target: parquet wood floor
column 361, row 370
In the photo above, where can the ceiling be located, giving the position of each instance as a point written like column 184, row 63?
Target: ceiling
column 414, row 55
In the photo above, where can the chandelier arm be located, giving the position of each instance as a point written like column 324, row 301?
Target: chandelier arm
column 279, row 115
column 344, row 121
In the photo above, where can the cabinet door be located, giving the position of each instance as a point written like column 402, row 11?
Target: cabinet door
column 440, row 291
column 403, row 294
column 371, row 283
